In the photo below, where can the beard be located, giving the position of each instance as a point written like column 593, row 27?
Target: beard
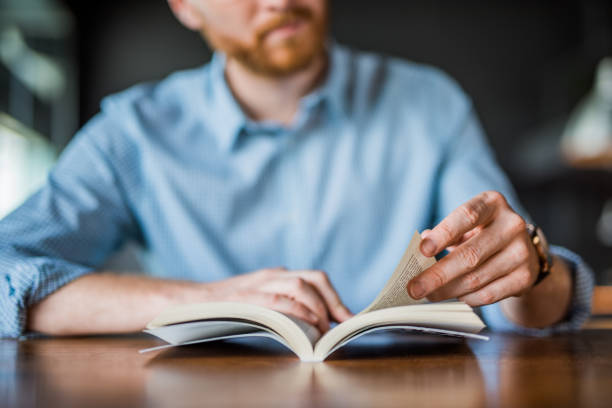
column 281, row 58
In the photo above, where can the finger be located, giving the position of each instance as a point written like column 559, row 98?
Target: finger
column 319, row 279
column 267, row 273
column 302, row 291
column 261, row 276
column 464, row 238
column 513, row 284
column 286, row 305
column 500, row 264
column 477, row 211
column 464, row 259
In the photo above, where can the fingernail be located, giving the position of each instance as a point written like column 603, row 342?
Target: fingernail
column 428, row 248
column 417, row 290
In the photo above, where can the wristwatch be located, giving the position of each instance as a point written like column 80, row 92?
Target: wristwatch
column 540, row 243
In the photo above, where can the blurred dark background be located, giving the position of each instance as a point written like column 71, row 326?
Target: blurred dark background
column 526, row 65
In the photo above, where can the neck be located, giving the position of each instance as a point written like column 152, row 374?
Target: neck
column 273, row 98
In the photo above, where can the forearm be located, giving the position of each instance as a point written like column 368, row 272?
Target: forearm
column 545, row 304
column 109, row 303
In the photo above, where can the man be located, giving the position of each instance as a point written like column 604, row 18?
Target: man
column 287, row 149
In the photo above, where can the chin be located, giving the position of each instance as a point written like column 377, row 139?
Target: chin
column 293, row 57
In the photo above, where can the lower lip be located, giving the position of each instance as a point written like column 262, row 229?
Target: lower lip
column 286, row 30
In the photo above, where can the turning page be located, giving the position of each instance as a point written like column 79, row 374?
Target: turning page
column 394, row 293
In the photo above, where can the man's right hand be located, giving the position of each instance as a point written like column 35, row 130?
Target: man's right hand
column 305, row 294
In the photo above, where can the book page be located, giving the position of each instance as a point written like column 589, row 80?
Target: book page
column 394, row 293
column 455, row 317
column 309, row 330
column 230, row 319
column 207, row 330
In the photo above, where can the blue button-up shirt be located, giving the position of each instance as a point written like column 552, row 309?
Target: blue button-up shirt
column 383, row 148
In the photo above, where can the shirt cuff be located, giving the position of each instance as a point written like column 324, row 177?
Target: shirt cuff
column 579, row 310
column 26, row 282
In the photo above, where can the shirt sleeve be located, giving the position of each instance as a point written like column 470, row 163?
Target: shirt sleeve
column 470, row 168
column 65, row 230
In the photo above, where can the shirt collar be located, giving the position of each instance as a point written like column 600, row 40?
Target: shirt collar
column 229, row 120
column 227, row 116
column 336, row 87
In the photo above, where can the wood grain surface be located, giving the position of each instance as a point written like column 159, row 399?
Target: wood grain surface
column 602, row 300
column 572, row 370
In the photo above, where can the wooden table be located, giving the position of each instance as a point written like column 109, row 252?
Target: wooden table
column 569, row 370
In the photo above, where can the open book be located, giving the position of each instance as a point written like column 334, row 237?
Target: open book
column 393, row 308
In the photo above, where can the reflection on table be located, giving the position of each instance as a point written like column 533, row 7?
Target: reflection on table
column 509, row 370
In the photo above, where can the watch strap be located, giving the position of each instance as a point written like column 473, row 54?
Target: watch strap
column 541, row 245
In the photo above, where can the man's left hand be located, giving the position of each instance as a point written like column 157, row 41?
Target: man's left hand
column 490, row 258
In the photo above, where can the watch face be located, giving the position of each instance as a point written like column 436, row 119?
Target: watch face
column 530, row 229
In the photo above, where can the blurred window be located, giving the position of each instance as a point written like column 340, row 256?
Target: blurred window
column 25, row 160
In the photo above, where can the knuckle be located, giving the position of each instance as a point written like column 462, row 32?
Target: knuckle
column 472, row 280
column 276, row 299
column 521, row 252
column 321, row 275
column 471, row 211
column 517, row 223
column 445, row 231
column 438, row 278
column 298, row 284
column 469, row 255
column 470, row 301
column 266, row 273
column 486, row 297
column 494, row 197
